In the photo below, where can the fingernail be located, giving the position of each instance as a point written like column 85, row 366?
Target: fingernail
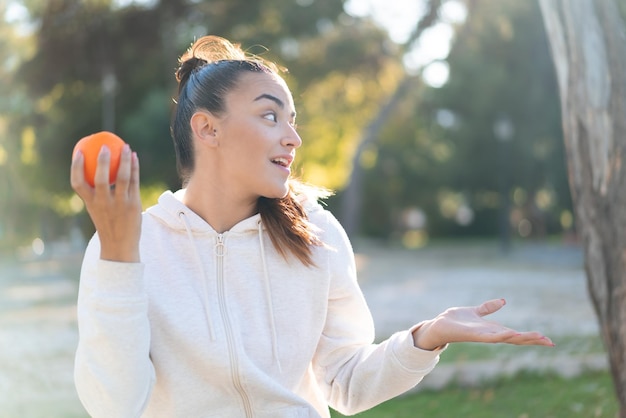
column 78, row 155
column 104, row 149
column 126, row 149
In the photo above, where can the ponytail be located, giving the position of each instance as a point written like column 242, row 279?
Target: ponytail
column 287, row 222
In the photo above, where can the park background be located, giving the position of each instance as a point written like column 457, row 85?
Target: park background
column 436, row 123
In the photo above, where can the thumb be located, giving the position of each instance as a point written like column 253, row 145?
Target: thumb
column 490, row 307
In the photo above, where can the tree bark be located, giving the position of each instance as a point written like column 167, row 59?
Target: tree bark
column 587, row 38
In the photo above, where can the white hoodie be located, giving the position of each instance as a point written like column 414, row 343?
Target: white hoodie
column 221, row 325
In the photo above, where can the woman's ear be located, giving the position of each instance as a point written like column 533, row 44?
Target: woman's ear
column 203, row 125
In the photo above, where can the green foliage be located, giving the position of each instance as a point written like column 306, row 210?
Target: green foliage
column 17, row 153
column 621, row 5
column 148, row 126
column 335, row 111
column 342, row 69
column 515, row 79
column 440, row 152
column 81, row 45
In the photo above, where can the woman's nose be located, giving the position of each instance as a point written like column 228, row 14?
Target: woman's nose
column 291, row 138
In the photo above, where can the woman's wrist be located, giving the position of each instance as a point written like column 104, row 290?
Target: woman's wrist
column 120, row 255
column 422, row 338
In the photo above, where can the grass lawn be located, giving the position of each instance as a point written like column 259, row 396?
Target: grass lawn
column 525, row 396
column 565, row 345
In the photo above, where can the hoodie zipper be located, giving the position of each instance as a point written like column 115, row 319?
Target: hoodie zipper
column 220, row 250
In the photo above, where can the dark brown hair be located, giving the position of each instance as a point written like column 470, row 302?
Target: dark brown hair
column 208, row 70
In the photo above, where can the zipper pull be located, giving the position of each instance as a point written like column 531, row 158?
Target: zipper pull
column 220, row 249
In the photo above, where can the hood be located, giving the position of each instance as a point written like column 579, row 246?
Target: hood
column 170, row 207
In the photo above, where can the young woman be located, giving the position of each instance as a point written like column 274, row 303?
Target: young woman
column 237, row 295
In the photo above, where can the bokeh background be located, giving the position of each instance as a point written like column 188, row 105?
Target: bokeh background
column 436, row 122
column 471, row 124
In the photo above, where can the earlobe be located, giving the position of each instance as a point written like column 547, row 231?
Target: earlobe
column 203, row 126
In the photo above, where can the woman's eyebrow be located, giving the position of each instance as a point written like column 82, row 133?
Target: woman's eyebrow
column 272, row 98
column 275, row 99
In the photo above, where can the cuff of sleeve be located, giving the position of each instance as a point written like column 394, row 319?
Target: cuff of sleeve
column 414, row 358
column 120, row 279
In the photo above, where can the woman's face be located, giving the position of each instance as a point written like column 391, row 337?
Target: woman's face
column 257, row 137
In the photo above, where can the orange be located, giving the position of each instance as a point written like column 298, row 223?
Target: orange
column 90, row 147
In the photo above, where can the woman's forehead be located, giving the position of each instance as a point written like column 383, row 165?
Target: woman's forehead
column 256, row 86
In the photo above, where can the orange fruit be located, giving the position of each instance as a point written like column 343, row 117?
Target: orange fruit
column 90, row 147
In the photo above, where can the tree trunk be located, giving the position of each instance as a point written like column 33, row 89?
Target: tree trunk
column 353, row 193
column 589, row 53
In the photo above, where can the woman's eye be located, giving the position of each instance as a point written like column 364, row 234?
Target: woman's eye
column 271, row 116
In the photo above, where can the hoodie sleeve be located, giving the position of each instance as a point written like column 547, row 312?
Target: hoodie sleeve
column 113, row 372
column 354, row 373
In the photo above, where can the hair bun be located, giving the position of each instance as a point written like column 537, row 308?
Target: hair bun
column 187, row 67
column 206, row 50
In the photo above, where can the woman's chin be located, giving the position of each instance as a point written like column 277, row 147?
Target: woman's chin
column 278, row 193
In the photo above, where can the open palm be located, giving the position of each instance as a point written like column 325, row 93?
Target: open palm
column 468, row 324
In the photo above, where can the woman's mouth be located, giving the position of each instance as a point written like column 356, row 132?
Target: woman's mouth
column 283, row 162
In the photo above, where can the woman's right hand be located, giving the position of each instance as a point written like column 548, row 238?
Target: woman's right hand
column 114, row 211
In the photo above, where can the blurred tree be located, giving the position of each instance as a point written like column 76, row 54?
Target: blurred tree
column 336, row 107
column 352, row 196
column 590, row 58
column 506, row 132
column 16, row 148
column 98, row 65
column 491, row 134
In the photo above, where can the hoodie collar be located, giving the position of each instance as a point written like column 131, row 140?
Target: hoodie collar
column 170, row 206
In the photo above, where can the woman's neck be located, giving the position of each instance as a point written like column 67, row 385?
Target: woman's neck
column 218, row 206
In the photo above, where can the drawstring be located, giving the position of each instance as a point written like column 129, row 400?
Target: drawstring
column 183, row 217
column 267, row 284
column 268, row 296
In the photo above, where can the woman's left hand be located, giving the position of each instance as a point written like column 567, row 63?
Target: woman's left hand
column 469, row 325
